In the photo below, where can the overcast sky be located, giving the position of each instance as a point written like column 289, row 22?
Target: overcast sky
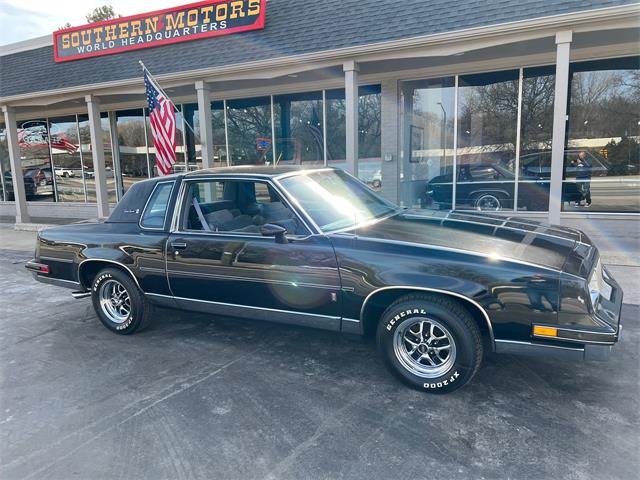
column 24, row 19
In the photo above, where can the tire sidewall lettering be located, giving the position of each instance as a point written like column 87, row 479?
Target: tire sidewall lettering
column 442, row 383
column 404, row 314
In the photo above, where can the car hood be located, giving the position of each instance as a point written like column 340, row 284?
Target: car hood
column 508, row 238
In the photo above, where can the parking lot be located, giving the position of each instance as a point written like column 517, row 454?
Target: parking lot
column 202, row 397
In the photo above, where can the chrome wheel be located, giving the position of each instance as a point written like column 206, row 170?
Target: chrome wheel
column 115, row 301
column 488, row 202
column 425, row 347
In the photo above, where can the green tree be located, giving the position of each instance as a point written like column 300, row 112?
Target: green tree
column 100, row 14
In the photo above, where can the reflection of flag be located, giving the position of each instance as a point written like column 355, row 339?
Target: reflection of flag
column 62, row 143
column 315, row 129
column 163, row 126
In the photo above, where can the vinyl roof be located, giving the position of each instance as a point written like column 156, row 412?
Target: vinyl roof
column 293, row 27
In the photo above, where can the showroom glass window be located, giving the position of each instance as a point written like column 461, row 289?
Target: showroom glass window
column 369, row 136
column 299, row 129
column 487, row 119
column 193, row 143
column 249, row 131
column 536, row 133
column 219, row 136
column 369, row 132
column 6, row 189
column 87, row 158
column 602, row 156
column 336, row 128
column 67, row 159
column 132, row 147
column 428, row 120
column 33, row 140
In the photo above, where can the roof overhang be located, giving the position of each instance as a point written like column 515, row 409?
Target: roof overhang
column 438, row 45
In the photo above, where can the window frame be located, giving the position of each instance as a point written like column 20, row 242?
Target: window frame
column 180, row 212
column 166, row 213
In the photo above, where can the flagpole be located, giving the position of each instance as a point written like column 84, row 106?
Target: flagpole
column 145, row 69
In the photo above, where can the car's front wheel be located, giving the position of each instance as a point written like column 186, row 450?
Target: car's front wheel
column 430, row 342
column 119, row 303
column 488, row 202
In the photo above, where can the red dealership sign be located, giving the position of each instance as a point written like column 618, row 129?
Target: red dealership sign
column 180, row 24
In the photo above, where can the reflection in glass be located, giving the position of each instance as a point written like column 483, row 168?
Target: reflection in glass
column 299, row 130
column 67, row 160
column 427, row 118
column 6, row 188
column 249, row 129
column 487, row 117
column 336, row 128
column 219, row 136
column 602, row 159
column 369, row 133
column 87, row 158
column 369, row 136
column 193, row 145
column 132, row 147
column 536, row 133
column 33, row 140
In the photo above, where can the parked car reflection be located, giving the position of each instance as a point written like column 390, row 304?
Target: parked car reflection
column 491, row 187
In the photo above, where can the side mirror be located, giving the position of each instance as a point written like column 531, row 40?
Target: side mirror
column 272, row 230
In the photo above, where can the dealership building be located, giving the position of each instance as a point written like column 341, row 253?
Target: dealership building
column 519, row 108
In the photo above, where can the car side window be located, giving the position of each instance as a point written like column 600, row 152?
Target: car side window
column 156, row 210
column 237, row 206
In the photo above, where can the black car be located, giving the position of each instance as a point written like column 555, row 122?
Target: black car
column 491, row 187
column 319, row 248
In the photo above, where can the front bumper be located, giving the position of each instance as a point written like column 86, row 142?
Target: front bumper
column 591, row 340
column 588, row 352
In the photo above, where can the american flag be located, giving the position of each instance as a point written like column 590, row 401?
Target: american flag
column 163, row 126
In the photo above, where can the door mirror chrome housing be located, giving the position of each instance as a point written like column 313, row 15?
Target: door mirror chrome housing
column 272, row 230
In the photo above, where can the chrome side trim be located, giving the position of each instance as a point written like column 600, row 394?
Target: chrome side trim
column 164, row 222
column 326, row 322
column 434, row 290
column 256, row 280
column 135, row 279
column 152, row 270
column 351, row 325
column 577, row 340
column 52, row 259
column 243, row 306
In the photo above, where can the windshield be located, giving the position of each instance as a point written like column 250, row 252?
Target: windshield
column 335, row 200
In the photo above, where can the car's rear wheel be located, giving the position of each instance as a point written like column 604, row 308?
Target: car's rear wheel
column 430, row 342
column 119, row 303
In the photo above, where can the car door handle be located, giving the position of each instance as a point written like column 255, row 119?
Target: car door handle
column 178, row 245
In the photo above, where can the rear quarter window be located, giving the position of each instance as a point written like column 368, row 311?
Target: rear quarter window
column 156, row 210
